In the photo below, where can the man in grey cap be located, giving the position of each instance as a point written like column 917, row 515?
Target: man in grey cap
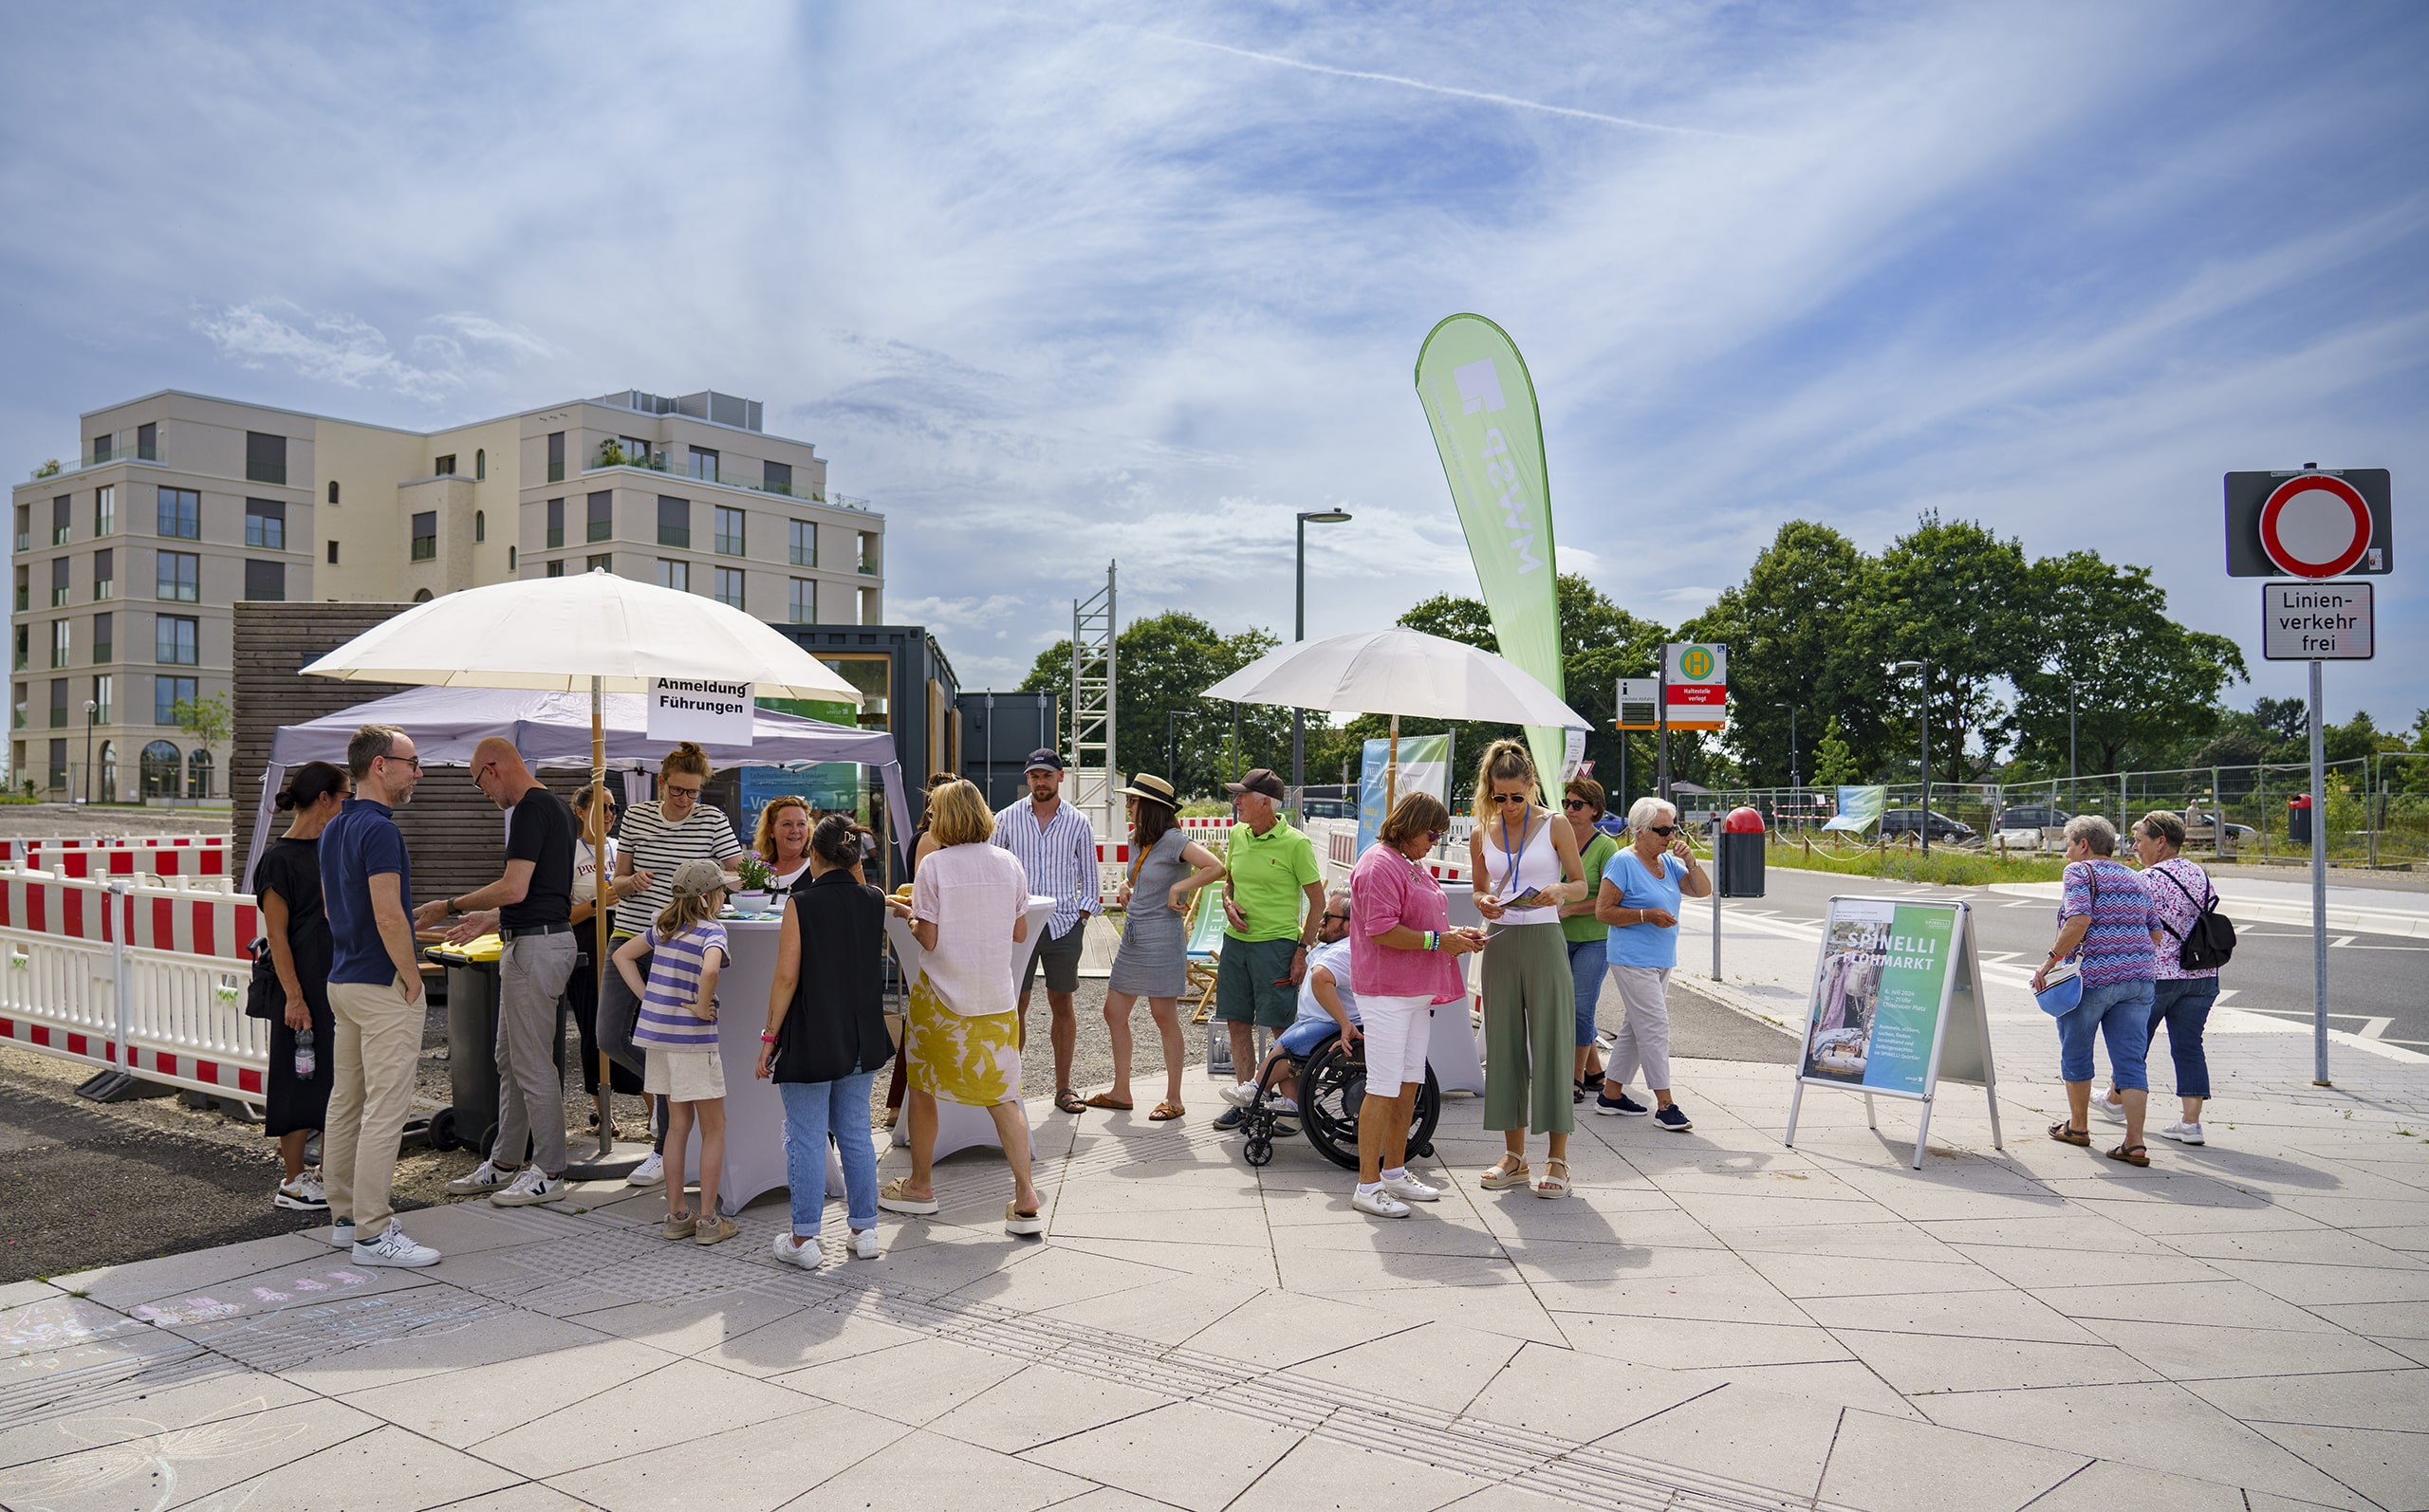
column 1057, row 847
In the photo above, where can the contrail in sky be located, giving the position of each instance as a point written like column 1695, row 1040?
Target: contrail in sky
column 1437, row 89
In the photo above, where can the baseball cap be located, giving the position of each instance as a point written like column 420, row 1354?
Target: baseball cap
column 697, row 877
column 1043, row 760
column 1264, row 781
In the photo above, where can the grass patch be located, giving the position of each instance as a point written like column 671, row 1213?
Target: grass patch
column 1944, row 867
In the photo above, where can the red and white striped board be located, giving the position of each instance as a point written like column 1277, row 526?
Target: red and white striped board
column 15, row 850
column 221, row 925
column 133, row 861
column 58, row 1040
column 201, row 1071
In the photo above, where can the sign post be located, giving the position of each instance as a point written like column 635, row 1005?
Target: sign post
column 2312, row 524
column 1694, row 694
column 1636, row 704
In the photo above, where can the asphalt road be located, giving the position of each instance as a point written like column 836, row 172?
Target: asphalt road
column 2378, row 984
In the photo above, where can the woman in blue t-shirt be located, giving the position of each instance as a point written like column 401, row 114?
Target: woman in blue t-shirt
column 1640, row 895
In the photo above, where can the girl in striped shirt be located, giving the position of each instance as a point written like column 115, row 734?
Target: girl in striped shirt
column 678, row 1035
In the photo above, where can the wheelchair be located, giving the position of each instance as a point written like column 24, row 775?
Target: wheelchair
column 1332, row 1086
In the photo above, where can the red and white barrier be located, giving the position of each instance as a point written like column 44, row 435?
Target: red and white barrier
column 132, row 860
column 17, row 850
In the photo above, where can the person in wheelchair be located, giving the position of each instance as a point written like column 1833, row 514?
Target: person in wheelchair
column 1327, row 1004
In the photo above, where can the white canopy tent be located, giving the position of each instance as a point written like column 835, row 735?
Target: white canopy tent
column 553, row 730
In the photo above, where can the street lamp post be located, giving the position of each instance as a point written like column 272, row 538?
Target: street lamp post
column 1299, row 631
column 1172, row 758
column 1923, row 719
column 1795, row 781
column 92, row 710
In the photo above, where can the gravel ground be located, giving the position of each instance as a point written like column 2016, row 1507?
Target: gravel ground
column 69, row 820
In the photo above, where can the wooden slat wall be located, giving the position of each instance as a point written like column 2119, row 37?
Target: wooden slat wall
column 456, row 836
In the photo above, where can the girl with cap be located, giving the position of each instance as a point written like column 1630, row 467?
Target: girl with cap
column 677, row 1033
column 1167, row 868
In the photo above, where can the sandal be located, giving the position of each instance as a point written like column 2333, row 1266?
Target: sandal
column 1068, row 1102
column 895, row 1197
column 1508, row 1171
column 1552, row 1185
column 1166, row 1110
column 2066, row 1133
column 2132, row 1154
column 1102, row 1099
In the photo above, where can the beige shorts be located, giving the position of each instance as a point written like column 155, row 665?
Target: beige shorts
column 683, row 1075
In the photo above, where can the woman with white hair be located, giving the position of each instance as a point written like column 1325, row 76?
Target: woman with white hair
column 1639, row 899
column 2105, row 918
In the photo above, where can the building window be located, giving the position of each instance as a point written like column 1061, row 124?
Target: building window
column 177, row 577
column 265, row 524
column 422, row 596
column 704, row 464
column 104, row 574
column 425, row 538
column 62, row 519
column 444, row 466
column 333, row 553
column 106, row 510
column 729, row 587
column 868, row 606
column 673, row 521
column 17, row 710
column 601, row 518
column 556, row 456
column 557, row 568
column 147, row 443
column 801, row 543
column 104, row 633
column 59, row 704
column 24, row 639
column 265, row 458
column 675, row 575
column 556, row 525
column 58, row 763
column 180, row 515
column 868, row 554
column 480, row 464
column 107, row 788
column 480, row 525
column 802, row 601
column 103, row 699
column 176, row 640
column 265, row 582
column 61, row 642
column 167, row 693
column 729, row 533
column 776, row 477
column 101, row 445
column 159, row 765
column 59, row 589
column 25, row 526
column 604, row 561
column 333, row 491
column 198, row 772
column 25, row 587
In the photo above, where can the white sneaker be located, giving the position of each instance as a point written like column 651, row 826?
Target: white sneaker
column 1239, row 1093
column 1281, row 1105
column 2114, row 1111
column 394, row 1249
column 532, row 1185
column 1408, row 1188
column 303, row 1194
column 865, row 1244
column 649, row 1172
column 2182, row 1132
column 1380, row 1202
column 801, row 1252
column 341, row 1234
column 486, row 1177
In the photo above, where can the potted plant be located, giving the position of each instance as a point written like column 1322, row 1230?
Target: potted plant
column 755, row 886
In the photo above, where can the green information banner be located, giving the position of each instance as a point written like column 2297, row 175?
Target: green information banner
column 1481, row 405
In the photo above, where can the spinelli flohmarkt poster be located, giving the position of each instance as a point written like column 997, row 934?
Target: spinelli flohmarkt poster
column 1896, row 1006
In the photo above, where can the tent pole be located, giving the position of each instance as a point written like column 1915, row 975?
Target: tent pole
column 597, row 824
column 1392, row 771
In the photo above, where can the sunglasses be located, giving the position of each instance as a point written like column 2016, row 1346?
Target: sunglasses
column 1509, row 798
column 1344, row 917
column 1576, row 802
column 1663, row 829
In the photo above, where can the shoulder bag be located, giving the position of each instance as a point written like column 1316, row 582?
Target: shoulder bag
column 264, row 997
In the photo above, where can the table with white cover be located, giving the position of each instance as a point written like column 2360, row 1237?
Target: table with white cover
column 959, row 1127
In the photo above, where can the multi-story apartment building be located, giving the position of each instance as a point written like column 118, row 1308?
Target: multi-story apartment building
column 129, row 560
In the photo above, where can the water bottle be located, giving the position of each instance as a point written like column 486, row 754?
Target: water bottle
column 305, row 1061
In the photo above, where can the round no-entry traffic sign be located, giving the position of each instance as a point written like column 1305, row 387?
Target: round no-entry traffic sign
column 2315, row 525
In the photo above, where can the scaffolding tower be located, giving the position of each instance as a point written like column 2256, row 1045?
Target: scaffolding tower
column 1094, row 780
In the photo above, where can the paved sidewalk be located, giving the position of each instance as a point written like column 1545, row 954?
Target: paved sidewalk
column 1712, row 1321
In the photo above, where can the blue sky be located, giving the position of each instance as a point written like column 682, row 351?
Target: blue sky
column 1053, row 285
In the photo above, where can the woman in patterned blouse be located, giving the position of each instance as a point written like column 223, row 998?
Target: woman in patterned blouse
column 2105, row 915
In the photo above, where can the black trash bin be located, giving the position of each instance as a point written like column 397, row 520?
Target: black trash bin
column 2298, row 819
column 470, row 1120
column 1740, row 860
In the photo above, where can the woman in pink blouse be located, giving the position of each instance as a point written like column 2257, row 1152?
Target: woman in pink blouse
column 1402, row 956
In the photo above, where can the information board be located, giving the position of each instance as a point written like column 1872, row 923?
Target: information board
column 2322, row 622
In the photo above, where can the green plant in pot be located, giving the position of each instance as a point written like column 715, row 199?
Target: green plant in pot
column 754, row 885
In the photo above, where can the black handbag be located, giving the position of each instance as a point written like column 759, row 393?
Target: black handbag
column 264, row 997
column 2211, row 942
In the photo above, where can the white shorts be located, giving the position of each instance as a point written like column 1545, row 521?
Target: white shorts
column 1398, row 1030
column 683, row 1075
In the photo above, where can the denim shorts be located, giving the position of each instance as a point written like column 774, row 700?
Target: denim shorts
column 2120, row 1013
column 1299, row 1040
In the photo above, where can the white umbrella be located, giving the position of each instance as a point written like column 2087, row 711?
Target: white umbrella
column 593, row 633
column 1397, row 671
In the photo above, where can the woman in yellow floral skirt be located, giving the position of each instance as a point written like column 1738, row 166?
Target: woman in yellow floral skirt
column 961, row 1038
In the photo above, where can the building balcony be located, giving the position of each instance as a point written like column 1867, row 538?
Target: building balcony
column 656, row 461
column 98, row 458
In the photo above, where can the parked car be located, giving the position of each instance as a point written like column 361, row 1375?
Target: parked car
column 1897, row 822
column 2202, row 832
column 1328, row 809
column 2031, row 816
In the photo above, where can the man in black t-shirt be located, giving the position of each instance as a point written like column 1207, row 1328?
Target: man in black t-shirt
column 533, row 905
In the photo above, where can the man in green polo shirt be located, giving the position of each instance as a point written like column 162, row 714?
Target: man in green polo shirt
column 1274, row 904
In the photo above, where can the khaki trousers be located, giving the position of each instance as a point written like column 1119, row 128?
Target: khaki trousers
column 378, row 1039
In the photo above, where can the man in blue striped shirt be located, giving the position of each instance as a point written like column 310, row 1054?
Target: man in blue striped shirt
column 1057, row 848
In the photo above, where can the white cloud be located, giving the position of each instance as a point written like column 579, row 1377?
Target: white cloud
column 336, row 347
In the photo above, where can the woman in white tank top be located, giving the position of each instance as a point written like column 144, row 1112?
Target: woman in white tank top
column 1523, row 853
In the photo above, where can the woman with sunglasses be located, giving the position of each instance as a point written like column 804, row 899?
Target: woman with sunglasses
column 1584, row 934
column 1639, row 899
column 659, row 837
column 1522, row 866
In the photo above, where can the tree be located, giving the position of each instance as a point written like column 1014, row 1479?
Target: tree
column 1833, row 763
column 2145, row 689
column 1954, row 596
column 1791, row 630
column 208, row 720
column 1161, row 666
